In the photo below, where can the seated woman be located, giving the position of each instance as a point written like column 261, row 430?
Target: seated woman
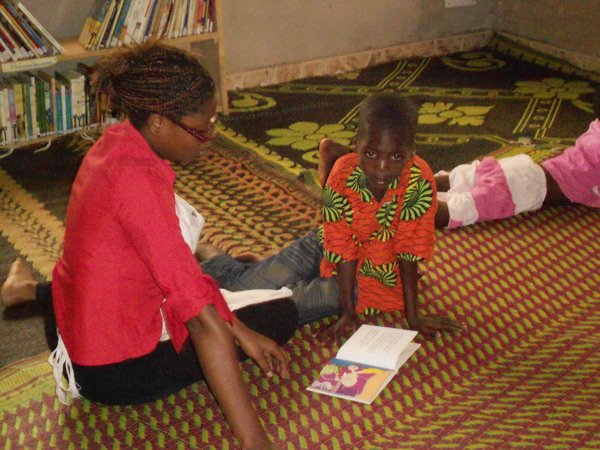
column 136, row 317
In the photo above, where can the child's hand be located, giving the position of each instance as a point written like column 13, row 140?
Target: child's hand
column 432, row 325
column 345, row 326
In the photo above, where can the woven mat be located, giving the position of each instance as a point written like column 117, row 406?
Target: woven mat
column 524, row 372
column 470, row 103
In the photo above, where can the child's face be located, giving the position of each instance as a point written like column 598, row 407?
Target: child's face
column 382, row 158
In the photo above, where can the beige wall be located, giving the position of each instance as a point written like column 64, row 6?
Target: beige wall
column 262, row 33
column 267, row 33
column 567, row 24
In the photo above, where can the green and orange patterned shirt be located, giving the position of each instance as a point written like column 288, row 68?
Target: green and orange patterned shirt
column 358, row 227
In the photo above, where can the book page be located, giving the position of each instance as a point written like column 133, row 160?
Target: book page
column 376, row 346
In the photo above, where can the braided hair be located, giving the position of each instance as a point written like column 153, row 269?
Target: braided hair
column 153, row 78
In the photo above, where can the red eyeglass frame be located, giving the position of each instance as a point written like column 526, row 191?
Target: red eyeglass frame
column 202, row 135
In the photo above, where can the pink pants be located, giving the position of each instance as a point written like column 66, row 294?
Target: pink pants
column 493, row 189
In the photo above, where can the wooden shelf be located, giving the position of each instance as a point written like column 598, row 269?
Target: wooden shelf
column 75, row 51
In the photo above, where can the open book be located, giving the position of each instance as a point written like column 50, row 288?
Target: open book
column 366, row 363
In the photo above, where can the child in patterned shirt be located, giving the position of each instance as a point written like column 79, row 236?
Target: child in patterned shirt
column 379, row 205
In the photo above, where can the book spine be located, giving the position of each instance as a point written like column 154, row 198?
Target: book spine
column 130, row 22
column 58, row 106
column 102, row 29
column 17, row 32
column 140, row 25
column 41, row 28
column 3, row 119
column 10, row 39
column 113, row 34
column 110, row 24
column 94, row 21
column 160, row 10
column 9, row 44
column 150, row 20
column 12, row 114
column 38, row 46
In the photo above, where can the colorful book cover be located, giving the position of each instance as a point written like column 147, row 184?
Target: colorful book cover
column 352, row 381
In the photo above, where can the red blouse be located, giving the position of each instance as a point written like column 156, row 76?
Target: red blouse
column 123, row 254
column 358, row 227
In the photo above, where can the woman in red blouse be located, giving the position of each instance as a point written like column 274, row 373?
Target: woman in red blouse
column 137, row 318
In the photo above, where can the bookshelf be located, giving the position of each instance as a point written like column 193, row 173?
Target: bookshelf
column 207, row 44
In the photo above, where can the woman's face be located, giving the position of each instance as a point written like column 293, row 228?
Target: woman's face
column 183, row 142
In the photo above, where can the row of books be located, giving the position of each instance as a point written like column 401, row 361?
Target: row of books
column 21, row 34
column 37, row 104
column 112, row 23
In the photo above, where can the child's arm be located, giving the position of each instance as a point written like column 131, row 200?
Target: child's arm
column 348, row 321
column 428, row 325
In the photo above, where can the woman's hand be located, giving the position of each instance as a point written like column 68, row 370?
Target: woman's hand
column 265, row 352
column 432, row 325
column 345, row 326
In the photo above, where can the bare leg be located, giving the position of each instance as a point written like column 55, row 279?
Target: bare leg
column 19, row 286
column 442, row 215
column 207, row 251
column 442, row 180
column 554, row 196
column 329, row 152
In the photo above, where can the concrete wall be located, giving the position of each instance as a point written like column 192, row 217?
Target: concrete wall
column 262, row 33
column 267, row 33
column 567, row 24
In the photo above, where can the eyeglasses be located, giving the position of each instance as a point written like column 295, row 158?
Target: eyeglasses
column 202, row 135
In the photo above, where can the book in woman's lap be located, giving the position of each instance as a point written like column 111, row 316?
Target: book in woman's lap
column 366, row 363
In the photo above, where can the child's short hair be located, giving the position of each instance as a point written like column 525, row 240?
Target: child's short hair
column 388, row 111
column 597, row 102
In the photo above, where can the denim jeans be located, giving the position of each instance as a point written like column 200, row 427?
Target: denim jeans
column 295, row 267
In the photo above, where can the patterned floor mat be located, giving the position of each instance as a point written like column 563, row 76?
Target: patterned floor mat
column 522, row 373
column 470, row 105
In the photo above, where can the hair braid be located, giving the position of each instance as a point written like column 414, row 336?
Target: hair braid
column 154, row 79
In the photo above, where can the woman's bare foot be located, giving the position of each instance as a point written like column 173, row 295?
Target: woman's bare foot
column 329, row 152
column 207, row 251
column 248, row 257
column 19, row 286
